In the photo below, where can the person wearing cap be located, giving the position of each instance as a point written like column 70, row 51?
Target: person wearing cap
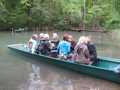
column 32, row 43
column 64, row 47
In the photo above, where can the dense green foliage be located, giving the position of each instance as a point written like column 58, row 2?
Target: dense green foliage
column 62, row 14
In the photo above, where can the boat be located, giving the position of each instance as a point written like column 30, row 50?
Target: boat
column 19, row 30
column 104, row 69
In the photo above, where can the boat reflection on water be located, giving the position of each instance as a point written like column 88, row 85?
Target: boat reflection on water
column 49, row 82
column 35, row 82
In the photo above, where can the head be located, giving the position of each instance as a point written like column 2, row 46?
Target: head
column 82, row 40
column 35, row 36
column 55, row 36
column 41, row 36
column 70, row 38
column 65, row 37
column 46, row 36
column 88, row 40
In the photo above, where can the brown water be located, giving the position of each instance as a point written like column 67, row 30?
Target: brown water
column 18, row 72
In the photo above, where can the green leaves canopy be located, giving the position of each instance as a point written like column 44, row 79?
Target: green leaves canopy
column 59, row 13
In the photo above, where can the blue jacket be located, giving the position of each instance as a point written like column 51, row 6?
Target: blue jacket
column 64, row 47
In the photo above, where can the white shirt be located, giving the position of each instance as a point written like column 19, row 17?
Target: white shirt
column 34, row 44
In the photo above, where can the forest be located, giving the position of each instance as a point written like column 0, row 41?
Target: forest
column 60, row 14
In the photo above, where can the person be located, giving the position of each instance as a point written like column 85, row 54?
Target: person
column 92, row 50
column 64, row 47
column 55, row 40
column 32, row 43
column 45, row 45
column 81, row 53
column 41, row 38
column 73, row 43
column 54, row 44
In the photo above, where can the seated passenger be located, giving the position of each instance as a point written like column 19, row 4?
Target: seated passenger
column 55, row 40
column 81, row 53
column 64, row 47
column 33, row 43
column 73, row 43
column 44, row 47
column 54, row 44
column 41, row 38
column 92, row 50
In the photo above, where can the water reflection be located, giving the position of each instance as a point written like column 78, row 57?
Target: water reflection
column 35, row 82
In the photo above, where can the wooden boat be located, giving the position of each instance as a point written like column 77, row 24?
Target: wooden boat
column 104, row 69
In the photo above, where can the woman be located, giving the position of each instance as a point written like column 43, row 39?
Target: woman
column 81, row 53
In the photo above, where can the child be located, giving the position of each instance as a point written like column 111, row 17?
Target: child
column 32, row 43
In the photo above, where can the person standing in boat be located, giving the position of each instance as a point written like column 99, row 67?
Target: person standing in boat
column 81, row 53
column 54, row 44
column 32, row 43
column 92, row 50
column 64, row 47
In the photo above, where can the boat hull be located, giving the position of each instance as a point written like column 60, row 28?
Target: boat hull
column 96, row 71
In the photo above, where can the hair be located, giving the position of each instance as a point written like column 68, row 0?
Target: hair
column 55, row 36
column 70, row 38
column 35, row 36
column 88, row 39
column 82, row 40
column 65, row 37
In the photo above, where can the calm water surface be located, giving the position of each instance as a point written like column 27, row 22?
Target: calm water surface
column 18, row 72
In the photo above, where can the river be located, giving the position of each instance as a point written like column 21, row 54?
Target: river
column 19, row 72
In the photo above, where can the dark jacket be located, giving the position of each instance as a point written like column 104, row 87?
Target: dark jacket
column 92, row 52
column 44, row 47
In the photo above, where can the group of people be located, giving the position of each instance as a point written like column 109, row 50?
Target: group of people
column 83, row 51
